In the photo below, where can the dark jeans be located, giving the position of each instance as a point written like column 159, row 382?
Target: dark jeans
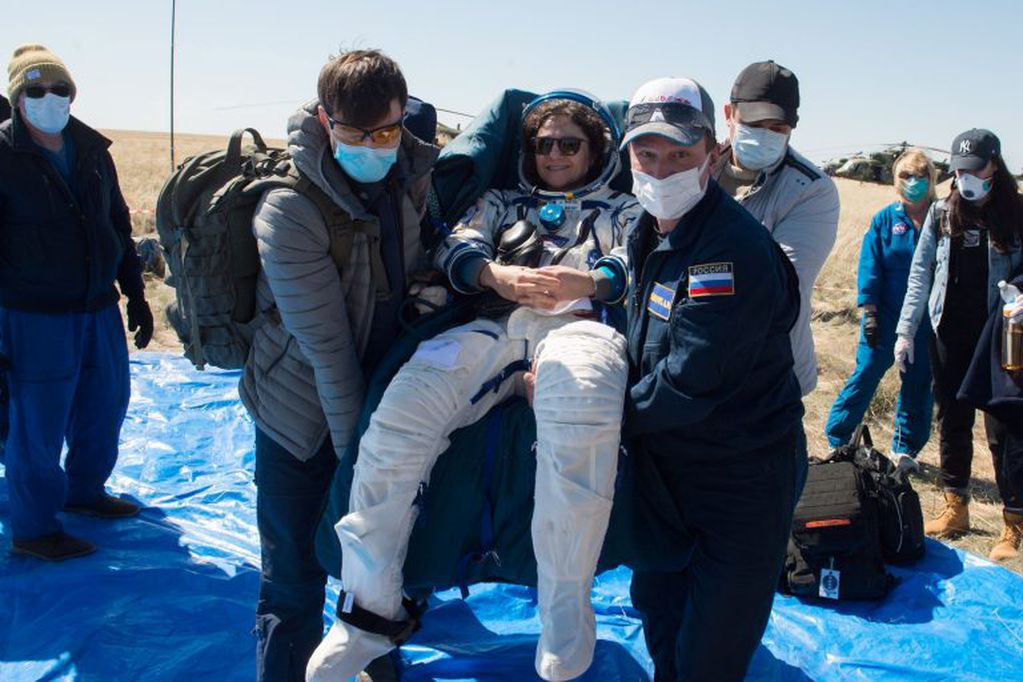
column 1012, row 466
column 290, row 497
column 705, row 621
column 951, row 352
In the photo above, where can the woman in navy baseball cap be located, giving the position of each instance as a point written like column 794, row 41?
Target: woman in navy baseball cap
column 971, row 240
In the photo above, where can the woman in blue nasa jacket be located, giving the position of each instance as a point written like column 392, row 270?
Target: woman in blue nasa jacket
column 885, row 257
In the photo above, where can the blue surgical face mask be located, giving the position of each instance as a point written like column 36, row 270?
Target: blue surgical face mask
column 48, row 113
column 913, row 188
column 758, row 148
column 973, row 188
column 363, row 163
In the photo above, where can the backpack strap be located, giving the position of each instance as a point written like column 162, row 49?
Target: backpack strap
column 862, row 437
column 341, row 226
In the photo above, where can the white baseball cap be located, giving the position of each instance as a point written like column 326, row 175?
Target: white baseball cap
column 676, row 108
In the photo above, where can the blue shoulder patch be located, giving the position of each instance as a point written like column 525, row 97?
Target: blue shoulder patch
column 660, row 301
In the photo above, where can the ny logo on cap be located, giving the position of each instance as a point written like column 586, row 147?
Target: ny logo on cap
column 964, row 147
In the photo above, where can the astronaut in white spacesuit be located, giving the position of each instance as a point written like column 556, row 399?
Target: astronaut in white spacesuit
column 551, row 240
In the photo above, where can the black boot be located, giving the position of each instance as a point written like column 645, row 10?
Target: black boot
column 53, row 547
column 106, row 507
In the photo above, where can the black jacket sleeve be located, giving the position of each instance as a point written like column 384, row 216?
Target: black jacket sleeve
column 129, row 274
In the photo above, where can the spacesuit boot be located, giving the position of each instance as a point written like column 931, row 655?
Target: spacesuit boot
column 344, row 653
column 579, row 392
column 371, row 548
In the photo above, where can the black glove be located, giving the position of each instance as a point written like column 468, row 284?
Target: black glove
column 140, row 318
column 871, row 329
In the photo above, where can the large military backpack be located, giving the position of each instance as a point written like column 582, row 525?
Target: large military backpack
column 855, row 514
column 204, row 220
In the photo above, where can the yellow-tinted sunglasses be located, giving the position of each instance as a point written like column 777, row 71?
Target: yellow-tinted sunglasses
column 384, row 135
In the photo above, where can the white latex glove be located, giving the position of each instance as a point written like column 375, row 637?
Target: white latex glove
column 903, row 353
column 905, row 466
column 430, row 297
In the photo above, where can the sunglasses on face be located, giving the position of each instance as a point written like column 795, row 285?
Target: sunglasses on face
column 39, row 91
column 384, row 135
column 569, row 146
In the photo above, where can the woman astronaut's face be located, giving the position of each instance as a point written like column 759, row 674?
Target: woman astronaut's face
column 562, row 154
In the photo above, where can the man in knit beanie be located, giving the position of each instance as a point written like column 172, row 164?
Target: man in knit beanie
column 32, row 65
column 65, row 235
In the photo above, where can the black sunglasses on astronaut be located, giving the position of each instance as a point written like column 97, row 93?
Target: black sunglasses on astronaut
column 568, row 146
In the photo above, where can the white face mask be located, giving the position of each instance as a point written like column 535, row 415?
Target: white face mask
column 48, row 113
column 671, row 197
column 758, row 148
column 973, row 188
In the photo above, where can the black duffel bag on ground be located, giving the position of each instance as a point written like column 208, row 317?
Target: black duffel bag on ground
column 854, row 515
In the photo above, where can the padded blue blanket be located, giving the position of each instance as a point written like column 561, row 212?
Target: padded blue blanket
column 170, row 595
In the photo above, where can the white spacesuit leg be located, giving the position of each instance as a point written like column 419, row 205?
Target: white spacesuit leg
column 579, row 393
column 428, row 399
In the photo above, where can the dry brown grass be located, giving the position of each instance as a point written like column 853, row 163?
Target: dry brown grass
column 143, row 162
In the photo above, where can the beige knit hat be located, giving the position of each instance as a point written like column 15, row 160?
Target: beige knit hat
column 31, row 64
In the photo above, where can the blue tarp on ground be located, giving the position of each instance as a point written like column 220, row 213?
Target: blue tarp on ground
column 170, row 594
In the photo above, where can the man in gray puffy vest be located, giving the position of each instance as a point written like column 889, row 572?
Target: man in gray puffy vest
column 326, row 327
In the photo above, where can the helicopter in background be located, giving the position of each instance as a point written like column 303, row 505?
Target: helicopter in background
column 877, row 166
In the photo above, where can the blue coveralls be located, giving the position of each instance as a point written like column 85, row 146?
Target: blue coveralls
column 65, row 239
column 713, row 423
column 885, row 257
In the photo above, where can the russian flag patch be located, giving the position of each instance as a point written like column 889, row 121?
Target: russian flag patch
column 711, row 279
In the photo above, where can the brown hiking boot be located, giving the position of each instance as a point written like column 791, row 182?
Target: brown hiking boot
column 954, row 520
column 53, row 547
column 106, row 507
column 1007, row 546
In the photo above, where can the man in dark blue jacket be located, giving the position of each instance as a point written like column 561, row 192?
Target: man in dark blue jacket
column 65, row 238
column 713, row 411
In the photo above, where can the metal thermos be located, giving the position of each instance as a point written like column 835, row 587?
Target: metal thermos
column 1012, row 332
column 1012, row 344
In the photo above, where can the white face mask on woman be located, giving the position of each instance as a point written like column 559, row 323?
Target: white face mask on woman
column 671, row 197
column 973, row 188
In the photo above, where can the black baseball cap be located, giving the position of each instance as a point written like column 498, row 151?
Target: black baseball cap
column 767, row 91
column 973, row 149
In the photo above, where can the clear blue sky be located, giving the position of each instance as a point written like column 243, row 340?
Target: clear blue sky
column 870, row 71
